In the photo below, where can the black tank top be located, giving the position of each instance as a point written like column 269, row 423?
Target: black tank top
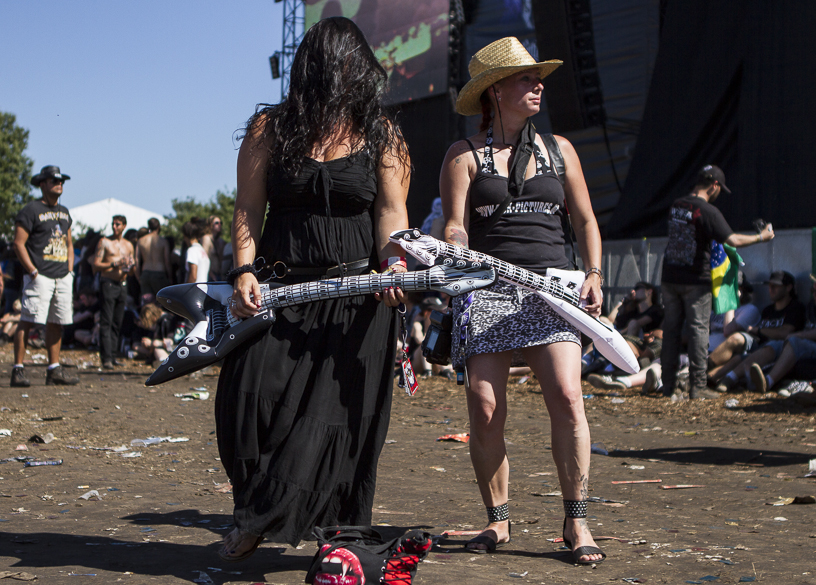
column 530, row 232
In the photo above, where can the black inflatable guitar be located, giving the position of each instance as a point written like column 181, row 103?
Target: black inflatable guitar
column 216, row 331
column 561, row 289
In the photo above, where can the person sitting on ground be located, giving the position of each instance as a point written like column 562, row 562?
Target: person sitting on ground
column 86, row 313
column 723, row 325
column 621, row 313
column 9, row 322
column 785, row 315
column 797, row 348
column 638, row 316
column 642, row 332
column 155, row 328
column 649, row 377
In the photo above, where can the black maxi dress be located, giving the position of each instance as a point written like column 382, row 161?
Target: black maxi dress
column 302, row 410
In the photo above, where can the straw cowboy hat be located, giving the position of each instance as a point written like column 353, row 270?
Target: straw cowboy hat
column 496, row 61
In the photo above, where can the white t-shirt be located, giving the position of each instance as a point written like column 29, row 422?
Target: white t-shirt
column 746, row 315
column 196, row 255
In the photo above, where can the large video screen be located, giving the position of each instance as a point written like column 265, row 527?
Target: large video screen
column 410, row 39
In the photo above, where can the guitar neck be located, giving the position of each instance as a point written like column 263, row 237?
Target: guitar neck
column 512, row 273
column 350, row 286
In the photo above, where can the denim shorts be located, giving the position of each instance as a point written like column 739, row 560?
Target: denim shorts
column 803, row 349
column 776, row 345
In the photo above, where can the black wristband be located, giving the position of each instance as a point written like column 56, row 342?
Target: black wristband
column 236, row 272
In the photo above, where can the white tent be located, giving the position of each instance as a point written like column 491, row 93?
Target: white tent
column 99, row 215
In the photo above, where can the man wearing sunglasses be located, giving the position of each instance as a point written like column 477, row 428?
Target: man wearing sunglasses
column 42, row 241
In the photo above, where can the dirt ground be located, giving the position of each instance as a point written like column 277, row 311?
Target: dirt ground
column 160, row 515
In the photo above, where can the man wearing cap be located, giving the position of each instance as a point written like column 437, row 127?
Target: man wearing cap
column 42, row 241
column 785, row 315
column 686, row 282
column 798, row 351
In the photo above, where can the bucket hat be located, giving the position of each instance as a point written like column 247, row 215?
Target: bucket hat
column 494, row 62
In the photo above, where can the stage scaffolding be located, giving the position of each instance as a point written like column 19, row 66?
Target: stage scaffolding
column 293, row 24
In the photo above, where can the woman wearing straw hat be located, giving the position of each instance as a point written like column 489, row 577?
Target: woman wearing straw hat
column 502, row 194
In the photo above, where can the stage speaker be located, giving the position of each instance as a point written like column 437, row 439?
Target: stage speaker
column 573, row 91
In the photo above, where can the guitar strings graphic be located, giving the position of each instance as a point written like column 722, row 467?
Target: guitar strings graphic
column 307, row 292
column 515, row 274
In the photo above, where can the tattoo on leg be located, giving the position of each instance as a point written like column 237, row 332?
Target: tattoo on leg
column 584, row 487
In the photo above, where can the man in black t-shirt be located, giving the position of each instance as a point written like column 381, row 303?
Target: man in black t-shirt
column 686, row 282
column 785, row 315
column 42, row 241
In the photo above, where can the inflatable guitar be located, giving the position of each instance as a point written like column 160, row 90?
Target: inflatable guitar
column 560, row 288
column 216, row 331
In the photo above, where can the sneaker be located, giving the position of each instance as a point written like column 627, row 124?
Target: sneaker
column 795, row 387
column 605, row 382
column 18, row 378
column 107, row 365
column 58, row 376
column 682, row 383
column 652, row 383
column 679, row 396
column 726, row 385
column 758, row 378
column 703, row 393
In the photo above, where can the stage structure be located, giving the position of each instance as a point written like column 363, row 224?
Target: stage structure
column 734, row 85
column 425, row 47
column 293, row 29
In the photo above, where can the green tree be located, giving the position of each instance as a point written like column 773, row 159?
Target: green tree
column 222, row 205
column 15, row 171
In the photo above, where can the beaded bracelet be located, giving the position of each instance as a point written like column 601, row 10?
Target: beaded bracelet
column 595, row 271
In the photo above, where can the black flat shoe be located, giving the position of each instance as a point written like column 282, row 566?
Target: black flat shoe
column 490, row 544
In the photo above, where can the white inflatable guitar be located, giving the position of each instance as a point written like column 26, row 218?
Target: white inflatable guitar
column 216, row 331
column 560, row 288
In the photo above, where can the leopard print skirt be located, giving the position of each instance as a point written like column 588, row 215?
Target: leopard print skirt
column 505, row 317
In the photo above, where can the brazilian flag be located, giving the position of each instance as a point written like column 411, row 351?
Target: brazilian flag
column 725, row 263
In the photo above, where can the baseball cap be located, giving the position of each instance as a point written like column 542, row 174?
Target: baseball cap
column 713, row 172
column 781, row 278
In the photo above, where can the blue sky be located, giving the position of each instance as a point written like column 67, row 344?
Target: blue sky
column 137, row 100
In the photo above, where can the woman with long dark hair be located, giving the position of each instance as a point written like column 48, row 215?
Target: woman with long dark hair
column 505, row 193
column 302, row 410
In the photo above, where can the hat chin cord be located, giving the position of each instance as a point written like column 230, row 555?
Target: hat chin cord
column 498, row 109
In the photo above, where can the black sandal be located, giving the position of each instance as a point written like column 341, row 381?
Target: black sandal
column 497, row 514
column 578, row 509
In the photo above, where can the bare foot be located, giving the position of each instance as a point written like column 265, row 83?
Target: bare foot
column 238, row 543
column 499, row 532
column 577, row 532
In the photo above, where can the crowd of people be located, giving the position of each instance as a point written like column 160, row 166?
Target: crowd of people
column 302, row 408
column 747, row 348
column 101, row 295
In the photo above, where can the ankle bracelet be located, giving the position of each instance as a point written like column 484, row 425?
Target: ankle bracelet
column 498, row 513
column 575, row 508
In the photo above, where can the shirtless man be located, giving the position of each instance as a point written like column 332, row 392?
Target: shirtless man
column 153, row 260
column 214, row 247
column 114, row 260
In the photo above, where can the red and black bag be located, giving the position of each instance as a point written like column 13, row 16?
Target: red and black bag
column 358, row 555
